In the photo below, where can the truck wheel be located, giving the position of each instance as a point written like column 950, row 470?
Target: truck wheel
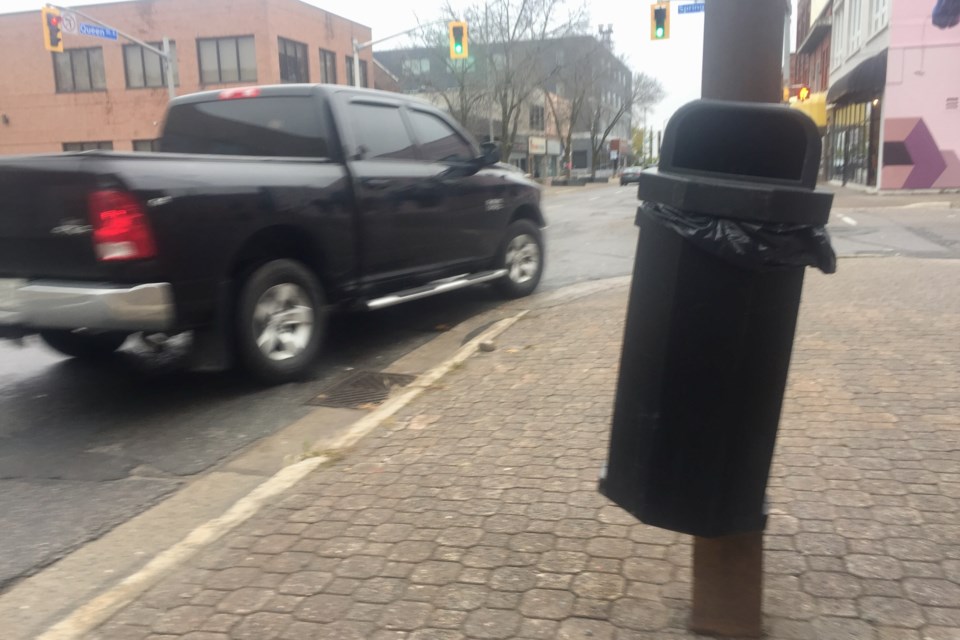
column 280, row 321
column 521, row 254
column 83, row 346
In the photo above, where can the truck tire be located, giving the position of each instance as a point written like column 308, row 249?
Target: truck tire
column 281, row 319
column 521, row 254
column 83, row 346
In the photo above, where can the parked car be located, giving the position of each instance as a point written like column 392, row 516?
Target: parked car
column 629, row 175
column 267, row 207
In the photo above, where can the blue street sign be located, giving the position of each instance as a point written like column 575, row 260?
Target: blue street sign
column 695, row 7
column 87, row 29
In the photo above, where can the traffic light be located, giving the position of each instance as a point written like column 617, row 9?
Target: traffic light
column 458, row 41
column 660, row 21
column 52, row 34
column 803, row 93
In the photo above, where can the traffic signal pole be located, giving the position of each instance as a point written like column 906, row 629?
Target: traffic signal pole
column 165, row 54
column 742, row 61
column 359, row 46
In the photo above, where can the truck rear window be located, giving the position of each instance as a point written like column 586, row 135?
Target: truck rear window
column 270, row 126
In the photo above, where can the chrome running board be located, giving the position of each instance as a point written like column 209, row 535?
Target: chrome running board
column 432, row 289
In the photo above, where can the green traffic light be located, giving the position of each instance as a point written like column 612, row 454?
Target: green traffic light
column 458, row 48
column 659, row 32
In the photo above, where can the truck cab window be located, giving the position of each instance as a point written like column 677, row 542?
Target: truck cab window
column 438, row 141
column 268, row 126
column 380, row 131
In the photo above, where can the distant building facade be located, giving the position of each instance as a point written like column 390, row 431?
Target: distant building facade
column 538, row 149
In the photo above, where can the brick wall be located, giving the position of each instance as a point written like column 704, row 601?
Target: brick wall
column 41, row 120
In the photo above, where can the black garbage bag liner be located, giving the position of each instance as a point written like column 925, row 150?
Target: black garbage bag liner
column 748, row 244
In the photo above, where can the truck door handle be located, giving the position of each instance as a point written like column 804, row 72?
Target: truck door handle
column 376, row 183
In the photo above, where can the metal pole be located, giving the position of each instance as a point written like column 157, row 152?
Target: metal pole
column 143, row 44
column 356, row 63
column 643, row 145
column 486, row 25
column 168, row 68
column 490, row 116
column 358, row 46
column 164, row 53
column 741, row 66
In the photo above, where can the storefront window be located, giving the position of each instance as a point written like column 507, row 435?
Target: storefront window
column 851, row 144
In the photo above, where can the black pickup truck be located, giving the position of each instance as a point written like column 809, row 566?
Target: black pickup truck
column 266, row 208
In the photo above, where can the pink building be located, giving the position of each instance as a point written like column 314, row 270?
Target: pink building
column 921, row 114
column 112, row 94
column 894, row 97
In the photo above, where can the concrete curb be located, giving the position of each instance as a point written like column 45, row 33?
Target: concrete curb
column 87, row 617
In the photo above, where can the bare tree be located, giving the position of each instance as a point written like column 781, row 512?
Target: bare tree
column 507, row 40
column 455, row 85
column 576, row 82
column 608, row 108
column 516, row 34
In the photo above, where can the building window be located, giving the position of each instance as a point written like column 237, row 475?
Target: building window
column 417, row 67
column 878, row 18
column 293, row 61
column 536, row 118
column 79, row 70
column 855, row 24
column 144, row 68
column 88, row 146
column 146, row 145
column 466, row 65
column 328, row 66
column 838, row 43
column 363, row 72
column 224, row 60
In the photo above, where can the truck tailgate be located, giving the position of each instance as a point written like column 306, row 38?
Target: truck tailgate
column 44, row 225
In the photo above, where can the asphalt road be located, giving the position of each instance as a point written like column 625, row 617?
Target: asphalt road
column 84, row 448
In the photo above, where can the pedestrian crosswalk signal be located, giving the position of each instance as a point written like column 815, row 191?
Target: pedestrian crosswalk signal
column 52, row 33
column 660, row 21
column 458, row 41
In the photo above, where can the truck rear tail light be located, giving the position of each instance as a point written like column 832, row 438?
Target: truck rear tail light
column 121, row 231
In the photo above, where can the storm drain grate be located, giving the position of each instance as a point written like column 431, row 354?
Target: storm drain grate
column 362, row 390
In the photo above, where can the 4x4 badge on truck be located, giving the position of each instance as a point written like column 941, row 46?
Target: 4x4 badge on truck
column 494, row 204
column 71, row 228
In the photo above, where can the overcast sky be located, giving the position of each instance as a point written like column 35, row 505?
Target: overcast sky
column 676, row 62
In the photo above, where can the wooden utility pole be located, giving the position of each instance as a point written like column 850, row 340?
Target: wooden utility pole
column 742, row 61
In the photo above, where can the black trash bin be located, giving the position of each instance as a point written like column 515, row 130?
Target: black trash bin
column 729, row 222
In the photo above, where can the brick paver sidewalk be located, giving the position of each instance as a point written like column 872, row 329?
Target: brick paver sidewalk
column 475, row 513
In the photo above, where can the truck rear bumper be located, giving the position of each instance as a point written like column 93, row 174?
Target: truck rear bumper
column 42, row 304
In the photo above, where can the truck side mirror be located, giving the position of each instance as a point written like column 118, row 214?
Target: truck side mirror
column 489, row 153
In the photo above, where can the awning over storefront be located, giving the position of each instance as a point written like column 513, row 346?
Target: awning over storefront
column 864, row 83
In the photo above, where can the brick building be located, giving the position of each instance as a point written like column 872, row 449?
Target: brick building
column 112, row 94
column 813, row 48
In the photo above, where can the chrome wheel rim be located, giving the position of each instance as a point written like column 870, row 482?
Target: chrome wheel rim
column 523, row 259
column 283, row 321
